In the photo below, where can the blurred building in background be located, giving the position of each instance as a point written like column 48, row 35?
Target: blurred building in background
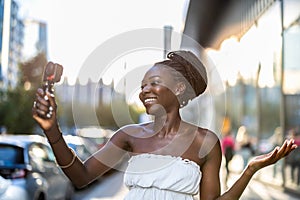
column 254, row 45
column 90, row 93
column 11, row 42
column 35, row 39
column 20, row 39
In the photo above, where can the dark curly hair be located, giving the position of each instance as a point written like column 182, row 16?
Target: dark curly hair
column 191, row 71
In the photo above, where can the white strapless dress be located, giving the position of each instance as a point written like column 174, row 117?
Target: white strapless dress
column 161, row 177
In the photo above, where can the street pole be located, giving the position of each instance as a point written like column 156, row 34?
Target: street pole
column 282, row 102
column 167, row 39
column 258, row 101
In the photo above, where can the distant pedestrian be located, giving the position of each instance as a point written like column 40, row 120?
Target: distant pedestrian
column 294, row 158
column 276, row 139
column 228, row 150
column 246, row 149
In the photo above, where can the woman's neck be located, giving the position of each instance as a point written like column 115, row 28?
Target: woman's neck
column 167, row 124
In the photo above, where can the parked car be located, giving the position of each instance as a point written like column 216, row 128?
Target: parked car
column 28, row 170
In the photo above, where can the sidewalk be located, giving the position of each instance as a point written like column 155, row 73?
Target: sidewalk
column 257, row 190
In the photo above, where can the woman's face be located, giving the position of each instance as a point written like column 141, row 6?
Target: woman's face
column 158, row 90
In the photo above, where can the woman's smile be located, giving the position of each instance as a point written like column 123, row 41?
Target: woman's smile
column 150, row 100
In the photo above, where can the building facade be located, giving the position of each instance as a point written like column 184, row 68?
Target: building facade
column 11, row 42
column 35, row 39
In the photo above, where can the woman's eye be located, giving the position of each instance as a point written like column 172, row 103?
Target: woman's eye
column 155, row 83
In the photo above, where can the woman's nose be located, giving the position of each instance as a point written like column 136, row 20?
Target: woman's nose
column 146, row 89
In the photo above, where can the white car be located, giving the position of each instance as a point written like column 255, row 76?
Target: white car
column 28, row 170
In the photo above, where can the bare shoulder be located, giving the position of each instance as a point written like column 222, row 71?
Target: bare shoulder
column 132, row 130
column 207, row 135
column 208, row 141
column 125, row 134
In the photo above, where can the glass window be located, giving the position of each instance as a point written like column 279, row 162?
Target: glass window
column 291, row 12
column 291, row 83
column 291, row 89
column 11, row 155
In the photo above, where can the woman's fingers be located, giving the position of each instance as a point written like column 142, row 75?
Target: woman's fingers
column 51, row 100
column 291, row 147
column 51, row 105
column 279, row 152
column 44, row 106
column 282, row 149
column 275, row 155
column 286, row 148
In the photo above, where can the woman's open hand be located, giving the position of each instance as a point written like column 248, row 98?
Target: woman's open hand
column 264, row 160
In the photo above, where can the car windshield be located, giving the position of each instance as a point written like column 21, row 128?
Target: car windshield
column 11, row 155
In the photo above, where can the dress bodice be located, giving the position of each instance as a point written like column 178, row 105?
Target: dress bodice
column 161, row 177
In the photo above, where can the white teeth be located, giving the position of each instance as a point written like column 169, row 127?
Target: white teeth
column 149, row 100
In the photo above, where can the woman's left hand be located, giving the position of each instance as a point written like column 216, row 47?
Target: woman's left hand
column 264, row 160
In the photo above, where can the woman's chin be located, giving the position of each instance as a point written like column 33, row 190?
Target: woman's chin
column 155, row 109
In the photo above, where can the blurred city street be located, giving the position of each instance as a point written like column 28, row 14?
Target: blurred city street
column 234, row 69
column 111, row 187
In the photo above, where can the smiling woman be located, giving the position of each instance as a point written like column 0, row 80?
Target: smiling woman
column 157, row 89
column 169, row 157
column 183, row 80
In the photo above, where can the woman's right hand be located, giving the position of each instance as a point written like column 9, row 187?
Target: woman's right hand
column 44, row 110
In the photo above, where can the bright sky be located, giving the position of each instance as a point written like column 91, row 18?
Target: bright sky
column 76, row 28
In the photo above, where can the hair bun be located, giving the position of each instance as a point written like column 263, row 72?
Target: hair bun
column 195, row 70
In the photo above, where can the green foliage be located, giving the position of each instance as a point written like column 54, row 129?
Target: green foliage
column 105, row 116
column 16, row 103
column 15, row 110
column 32, row 71
column 112, row 116
column 117, row 114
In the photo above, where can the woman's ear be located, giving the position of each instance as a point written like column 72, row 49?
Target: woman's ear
column 180, row 88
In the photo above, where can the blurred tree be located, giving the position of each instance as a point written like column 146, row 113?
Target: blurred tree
column 105, row 117
column 112, row 116
column 117, row 116
column 16, row 103
column 15, row 110
column 32, row 71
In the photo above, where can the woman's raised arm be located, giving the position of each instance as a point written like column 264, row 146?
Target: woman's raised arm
column 79, row 172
